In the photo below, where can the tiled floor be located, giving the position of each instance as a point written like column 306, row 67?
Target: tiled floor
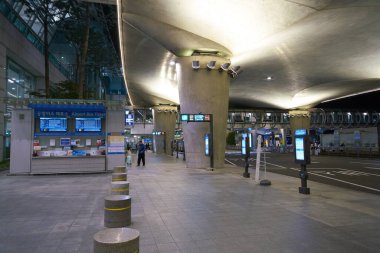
column 188, row 210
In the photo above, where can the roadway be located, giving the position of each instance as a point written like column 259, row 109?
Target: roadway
column 353, row 173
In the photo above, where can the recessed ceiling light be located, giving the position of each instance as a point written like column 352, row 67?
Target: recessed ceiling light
column 269, row 78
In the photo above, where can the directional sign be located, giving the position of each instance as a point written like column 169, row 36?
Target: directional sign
column 196, row 117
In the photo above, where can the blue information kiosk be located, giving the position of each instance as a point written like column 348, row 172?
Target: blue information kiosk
column 302, row 157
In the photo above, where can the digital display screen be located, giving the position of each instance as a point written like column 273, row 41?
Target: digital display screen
column 300, row 150
column 129, row 118
column 53, row 124
column 65, row 142
column 88, row 124
column 243, row 146
column 207, row 145
column 300, row 132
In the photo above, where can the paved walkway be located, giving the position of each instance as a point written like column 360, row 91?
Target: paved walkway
column 188, row 210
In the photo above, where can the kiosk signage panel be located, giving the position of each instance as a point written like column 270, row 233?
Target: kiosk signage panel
column 302, row 151
column 53, row 124
column 88, row 124
column 302, row 157
column 300, row 132
column 243, row 144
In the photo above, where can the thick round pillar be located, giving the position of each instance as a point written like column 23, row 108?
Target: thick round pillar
column 164, row 123
column 205, row 91
column 299, row 120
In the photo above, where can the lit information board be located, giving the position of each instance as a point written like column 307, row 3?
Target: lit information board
column 302, row 146
column 243, row 145
column 207, row 145
column 53, row 124
column 88, row 124
column 129, row 119
column 300, row 149
column 196, row 117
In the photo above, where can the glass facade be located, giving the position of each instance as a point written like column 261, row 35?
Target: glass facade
column 31, row 27
column 19, row 82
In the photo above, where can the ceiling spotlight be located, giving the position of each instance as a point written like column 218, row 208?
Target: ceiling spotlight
column 196, row 65
column 224, row 66
column 269, row 78
column 211, row 65
column 234, row 71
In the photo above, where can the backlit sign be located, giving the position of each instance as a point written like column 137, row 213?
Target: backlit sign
column 196, row 117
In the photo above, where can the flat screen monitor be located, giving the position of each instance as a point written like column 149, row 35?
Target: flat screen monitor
column 53, row 124
column 88, row 124
column 300, row 151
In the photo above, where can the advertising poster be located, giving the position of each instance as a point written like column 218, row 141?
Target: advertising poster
column 115, row 144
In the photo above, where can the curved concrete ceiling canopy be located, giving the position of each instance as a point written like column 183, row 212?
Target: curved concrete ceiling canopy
column 294, row 54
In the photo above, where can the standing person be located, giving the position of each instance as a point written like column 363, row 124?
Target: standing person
column 129, row 157
column 141, row 153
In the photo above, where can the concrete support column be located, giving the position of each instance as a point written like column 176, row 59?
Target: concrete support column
column 164, row 121
column 203, row 91
column 3, row 88
column 22, row 140
column 299, row 120
column 115, row 125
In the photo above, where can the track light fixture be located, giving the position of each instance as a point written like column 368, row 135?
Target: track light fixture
column 195, row 65
column 224, row 67
column 211, row 65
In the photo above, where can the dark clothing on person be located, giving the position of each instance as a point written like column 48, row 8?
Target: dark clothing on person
column 141, row 154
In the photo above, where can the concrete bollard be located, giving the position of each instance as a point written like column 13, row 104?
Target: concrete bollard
column 120, row 188
column 119, row 169
column 117, row 240
column 117, row 211
column 119, row 177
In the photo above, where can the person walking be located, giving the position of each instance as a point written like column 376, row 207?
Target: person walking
column 141, row 153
